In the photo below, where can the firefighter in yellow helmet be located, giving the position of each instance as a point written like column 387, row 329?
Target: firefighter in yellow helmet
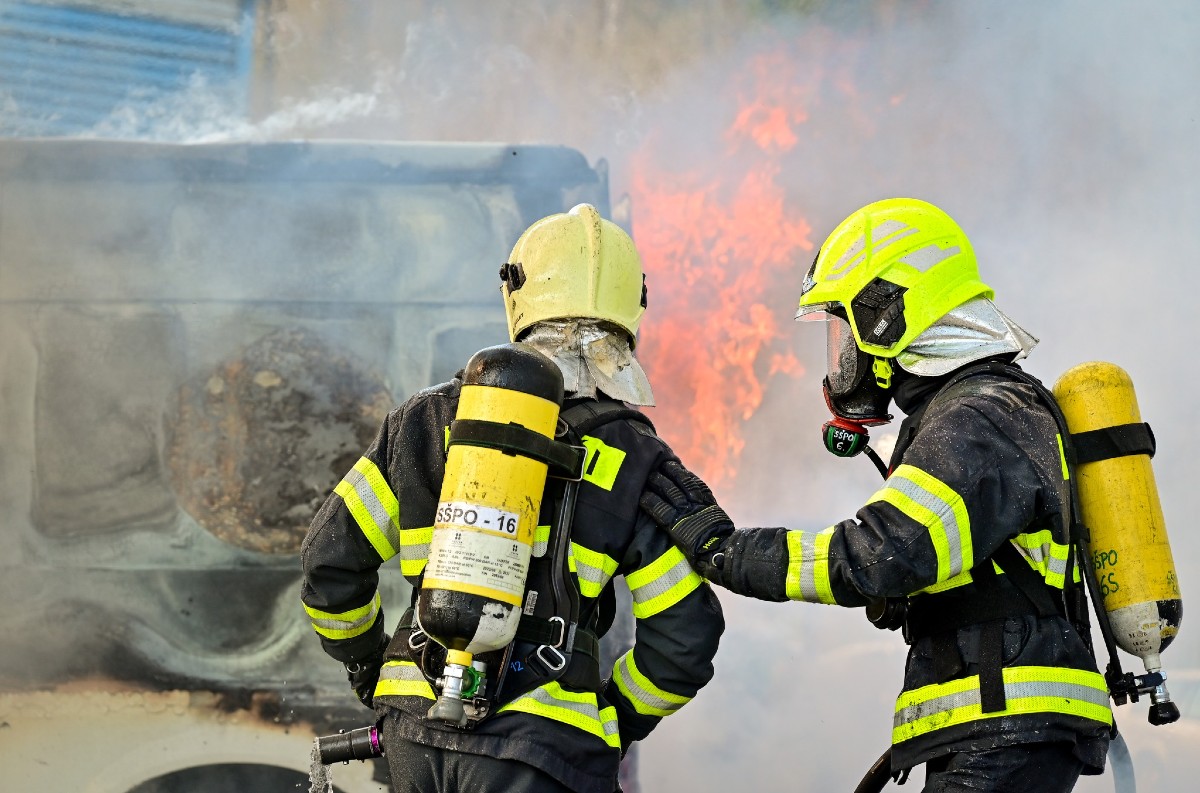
column 574, row 291
column 966, row 546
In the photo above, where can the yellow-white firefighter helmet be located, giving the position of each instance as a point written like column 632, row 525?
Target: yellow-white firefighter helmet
column 574, row 265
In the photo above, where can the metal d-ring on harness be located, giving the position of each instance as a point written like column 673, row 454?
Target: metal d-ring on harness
column 550, row 654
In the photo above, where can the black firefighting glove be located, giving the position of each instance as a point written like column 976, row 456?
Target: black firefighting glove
column 363, row 674
column 680, row 502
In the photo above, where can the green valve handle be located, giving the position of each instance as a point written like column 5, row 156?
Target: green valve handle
column 472, row 679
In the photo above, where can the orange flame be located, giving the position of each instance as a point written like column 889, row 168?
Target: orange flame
column 722, row 251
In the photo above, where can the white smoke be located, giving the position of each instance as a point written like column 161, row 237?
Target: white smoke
column 1060, row 134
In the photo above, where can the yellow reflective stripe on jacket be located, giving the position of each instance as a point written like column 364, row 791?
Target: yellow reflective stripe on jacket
column 662, row 583
column 592, row 568
column 962, row 579
column 402, row 679
column 646, row 697
column 930, row 502
column 577, row 708
column 602, row 462
column 1062, row 458
column 347, row 624
column 541, row 540
column 808, row 566
column 1044, row 555
column 373, row 505
column 414, row 550
column 1027, row 690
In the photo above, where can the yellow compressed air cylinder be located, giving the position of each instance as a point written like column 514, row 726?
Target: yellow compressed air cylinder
column 474, row 582
column 1119, row 504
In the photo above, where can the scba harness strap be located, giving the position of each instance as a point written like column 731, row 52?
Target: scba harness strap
column 554, row 641
column 575, row 637
column 940, row 616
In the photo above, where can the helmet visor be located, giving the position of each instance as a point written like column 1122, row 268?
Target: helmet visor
column 816, row 312
column 842, row 358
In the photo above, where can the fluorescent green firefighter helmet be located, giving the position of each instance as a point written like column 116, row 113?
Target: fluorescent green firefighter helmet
column 894, row 268
column 574, row 265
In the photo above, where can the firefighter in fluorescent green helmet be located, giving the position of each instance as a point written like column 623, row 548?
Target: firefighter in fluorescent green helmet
column 562, row 717
column 966, row 546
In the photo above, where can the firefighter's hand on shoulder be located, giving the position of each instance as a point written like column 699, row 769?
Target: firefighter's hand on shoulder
column 680, row 502
column 364, row 673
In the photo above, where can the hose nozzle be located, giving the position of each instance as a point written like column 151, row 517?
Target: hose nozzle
column 360, row 744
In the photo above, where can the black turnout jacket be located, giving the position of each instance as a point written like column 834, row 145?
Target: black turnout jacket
column 977, row 474
column 384, row 509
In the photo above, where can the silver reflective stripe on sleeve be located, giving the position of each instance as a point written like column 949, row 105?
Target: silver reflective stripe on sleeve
column 373, row 505
column 662, row 583
column 646, row 697
column 808, row 566
column 346, row 624
column 933, row 504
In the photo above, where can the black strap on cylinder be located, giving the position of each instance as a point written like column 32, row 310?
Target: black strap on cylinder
column 1109, row 442
column 565, row 460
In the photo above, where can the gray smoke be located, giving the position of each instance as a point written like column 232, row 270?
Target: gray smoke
column 1061, row 134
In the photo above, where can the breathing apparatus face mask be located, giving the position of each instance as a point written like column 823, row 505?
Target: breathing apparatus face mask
column 857, row 387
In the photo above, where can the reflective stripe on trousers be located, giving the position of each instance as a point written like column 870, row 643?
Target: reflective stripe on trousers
column 1027, row 689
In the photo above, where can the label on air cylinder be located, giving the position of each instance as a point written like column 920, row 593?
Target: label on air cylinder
column 474, row 549
column 476, row 516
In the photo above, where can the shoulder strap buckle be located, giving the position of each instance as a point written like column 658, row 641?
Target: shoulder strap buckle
column 551, row 657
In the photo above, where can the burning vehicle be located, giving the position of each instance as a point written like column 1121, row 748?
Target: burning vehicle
column 196, row 342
